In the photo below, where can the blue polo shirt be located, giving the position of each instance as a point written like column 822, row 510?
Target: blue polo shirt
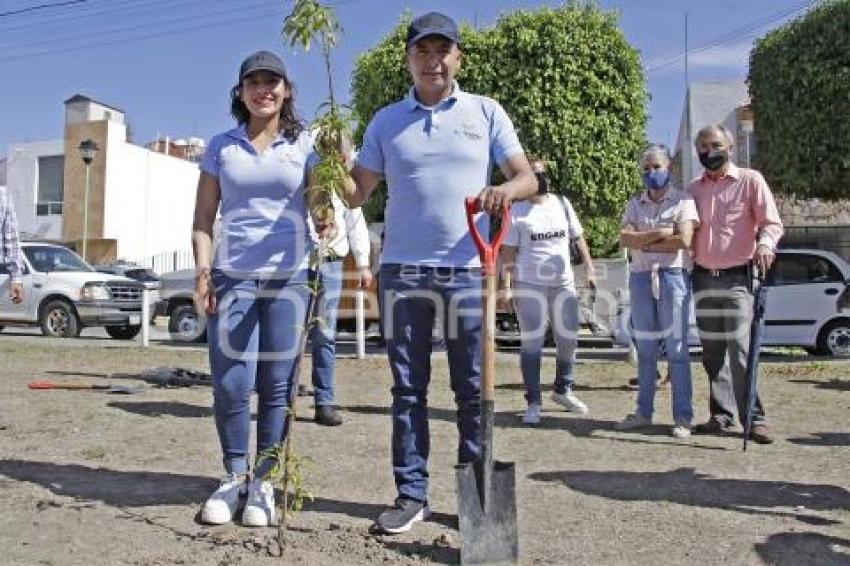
column 433, row 158
column 263, row 215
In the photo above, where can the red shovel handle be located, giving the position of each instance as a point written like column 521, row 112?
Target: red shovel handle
column 58, row 385
column 489, row 252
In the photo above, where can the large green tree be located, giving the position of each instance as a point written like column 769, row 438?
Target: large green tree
column 799, row 84
column 570, row 81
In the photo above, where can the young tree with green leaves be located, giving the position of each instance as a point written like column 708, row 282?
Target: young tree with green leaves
column 311, row 22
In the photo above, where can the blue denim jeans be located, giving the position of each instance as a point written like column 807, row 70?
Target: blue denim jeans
column 253, row 345
column 665, row 318
column 537, row 305
column 411, row 298
column 323, row 336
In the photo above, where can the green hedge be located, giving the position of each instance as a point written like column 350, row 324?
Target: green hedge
column 799, row 83
column 573, row 86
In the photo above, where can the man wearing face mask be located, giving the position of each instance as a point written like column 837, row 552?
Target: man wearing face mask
column 657, row 228
column 739, row 232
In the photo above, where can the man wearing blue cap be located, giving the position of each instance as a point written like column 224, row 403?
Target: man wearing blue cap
column 434, row 148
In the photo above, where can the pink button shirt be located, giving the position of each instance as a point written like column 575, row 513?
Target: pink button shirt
column 736, row 212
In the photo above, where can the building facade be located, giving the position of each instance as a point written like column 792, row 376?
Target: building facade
column 139, row 202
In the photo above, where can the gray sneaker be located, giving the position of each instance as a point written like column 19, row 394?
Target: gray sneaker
column 632, row 422
column 401, row 516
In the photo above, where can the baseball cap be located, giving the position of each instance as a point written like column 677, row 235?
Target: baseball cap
column 262, row 61
column 432, row 23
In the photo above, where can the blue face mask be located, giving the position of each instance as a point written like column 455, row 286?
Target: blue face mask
column 656, row 178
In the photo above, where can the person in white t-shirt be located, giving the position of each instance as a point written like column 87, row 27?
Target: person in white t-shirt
column 536, row 261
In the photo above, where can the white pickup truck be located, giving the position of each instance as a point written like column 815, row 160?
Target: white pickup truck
column 63, row 294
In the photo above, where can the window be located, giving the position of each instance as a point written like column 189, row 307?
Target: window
column 797, row 269
column 51, row 180
column 53, row 258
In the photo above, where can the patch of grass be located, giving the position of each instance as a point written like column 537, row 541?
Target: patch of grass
column 94, row 453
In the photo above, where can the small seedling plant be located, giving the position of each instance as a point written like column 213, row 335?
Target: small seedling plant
column 310, row 23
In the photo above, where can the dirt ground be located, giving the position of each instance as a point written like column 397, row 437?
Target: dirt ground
column 92, row 478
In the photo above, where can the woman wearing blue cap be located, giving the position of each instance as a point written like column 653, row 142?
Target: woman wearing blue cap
column 253, row 286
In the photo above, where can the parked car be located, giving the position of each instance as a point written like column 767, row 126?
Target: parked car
column 808, row 304
column 63, row 294
column 131, row 271
column 143, row 275
column 175, row 302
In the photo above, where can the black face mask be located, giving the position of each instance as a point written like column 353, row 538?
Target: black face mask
column 714, row 160
column 542, row 183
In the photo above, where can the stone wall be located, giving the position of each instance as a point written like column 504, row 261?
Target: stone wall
column 808, row 212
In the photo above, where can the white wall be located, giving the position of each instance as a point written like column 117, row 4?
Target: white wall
column 149, row 200
column 90, row 111
column 22, row 183
column 708, row 102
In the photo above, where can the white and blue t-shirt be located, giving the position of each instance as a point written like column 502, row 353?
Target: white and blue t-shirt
column 263, row 216
column 432, row 159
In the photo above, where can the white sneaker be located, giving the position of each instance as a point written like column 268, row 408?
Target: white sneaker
column 632, row 422
column 570, row 402
column 223, row 503
column 682, row 430
column 259, row 510
column 531, row 416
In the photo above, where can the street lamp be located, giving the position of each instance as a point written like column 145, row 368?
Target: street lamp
column 88, row 149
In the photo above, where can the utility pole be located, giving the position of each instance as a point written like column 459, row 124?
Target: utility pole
column 687, row 155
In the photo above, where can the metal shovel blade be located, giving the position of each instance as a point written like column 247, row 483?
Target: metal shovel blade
column 126, row 389
column 488, row 524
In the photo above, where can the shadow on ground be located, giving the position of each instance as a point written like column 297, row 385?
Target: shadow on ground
column 112, row 487
column 163, row 408
column 832, row 384
column 823, row 439
column 685, row 486
column 793, row 549
column 574, row 425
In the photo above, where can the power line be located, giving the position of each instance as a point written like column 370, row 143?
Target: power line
column 40, row 7
column 737, row 34
column 194, row 17
column 170, row 20
column 91, row 14
column 138, row 38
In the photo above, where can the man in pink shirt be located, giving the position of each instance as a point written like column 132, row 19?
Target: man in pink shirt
column 739, row 229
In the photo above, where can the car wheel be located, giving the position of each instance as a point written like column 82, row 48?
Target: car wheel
column 185, row 325
column 123, row 332
column 834, row 339
column 59, row 320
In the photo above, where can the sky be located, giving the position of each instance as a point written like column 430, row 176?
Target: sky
column 170, row 64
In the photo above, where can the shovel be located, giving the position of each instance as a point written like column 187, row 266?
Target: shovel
column 486, row 489
column 118, row 389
